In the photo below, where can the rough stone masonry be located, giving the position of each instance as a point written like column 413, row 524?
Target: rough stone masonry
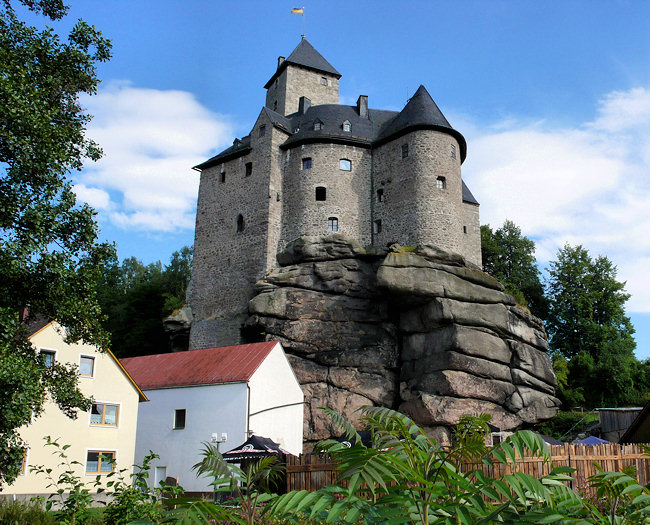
column 413, row 328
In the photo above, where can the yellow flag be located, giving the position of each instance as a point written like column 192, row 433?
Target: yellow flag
column 297, row 10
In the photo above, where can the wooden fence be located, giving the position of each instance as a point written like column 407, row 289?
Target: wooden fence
column 314, row 471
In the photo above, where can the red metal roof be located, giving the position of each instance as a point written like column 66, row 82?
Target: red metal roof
column 226, row 364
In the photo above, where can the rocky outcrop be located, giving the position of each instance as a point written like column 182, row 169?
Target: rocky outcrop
column 416, row 329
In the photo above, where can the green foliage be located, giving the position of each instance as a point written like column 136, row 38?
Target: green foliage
column 587, row 325
column 50, row 257
column 23, row 513
column 510, row 257
column 406, row 477
column 137, row 298
column 568, row 423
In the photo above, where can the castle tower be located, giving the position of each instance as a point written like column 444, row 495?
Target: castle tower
column 311, row 166
column 304, row 74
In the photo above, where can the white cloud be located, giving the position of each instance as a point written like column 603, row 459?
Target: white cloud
column 151, row 139
column 587, row 185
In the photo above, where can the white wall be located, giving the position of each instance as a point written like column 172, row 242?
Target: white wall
column 273, row 387
column 209, row 409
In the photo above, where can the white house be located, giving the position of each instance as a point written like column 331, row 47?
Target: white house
column 229, row 393
column 106, row 431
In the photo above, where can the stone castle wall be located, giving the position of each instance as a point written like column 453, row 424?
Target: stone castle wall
column 347, row 192
column 295, row 82
column 471, row 247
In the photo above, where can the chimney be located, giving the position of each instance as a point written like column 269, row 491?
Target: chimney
column 280, row 60
column 362, row 106
column 303, row 105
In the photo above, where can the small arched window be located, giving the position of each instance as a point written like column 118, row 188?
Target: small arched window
column 345, row 164
column 321, row 193
column 240, row 223
column 380, row 195
column 346, row 126
column 441, row 183
column 332, row 224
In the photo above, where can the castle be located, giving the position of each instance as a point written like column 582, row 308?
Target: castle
column 311, row 166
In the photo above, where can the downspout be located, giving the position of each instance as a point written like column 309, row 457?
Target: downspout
column 372, row 197
column 248, row 409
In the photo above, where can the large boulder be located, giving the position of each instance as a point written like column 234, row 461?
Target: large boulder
column 420, row 330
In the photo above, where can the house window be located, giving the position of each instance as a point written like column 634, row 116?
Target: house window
column 240, row 223
column 318, row 125
column 100, row 462
column 249, row 169
column 441, row 183
column 405, row 150
column 86, row 366
column 104, row 414
column 376, row 227
column 179, row 419
column 23, row 463
column 346, row 126
column 223, row 176
column 332, row 224
column 323, row 81
column 453, row 151
column 48, row 357
column 262, row 130
column 345, row 164
column 306, row 163
column 380, row 195
column 321, row 193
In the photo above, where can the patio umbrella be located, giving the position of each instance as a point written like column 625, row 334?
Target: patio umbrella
column 255, row 447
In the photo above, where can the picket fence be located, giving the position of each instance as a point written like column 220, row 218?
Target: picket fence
column 314, row 471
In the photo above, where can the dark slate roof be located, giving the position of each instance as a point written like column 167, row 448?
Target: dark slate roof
column 421, row 112
column 467, row 195
column 278, row 120
column 305, row 55
column 239, row 147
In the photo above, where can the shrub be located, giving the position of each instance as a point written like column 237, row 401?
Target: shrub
column 23, row 513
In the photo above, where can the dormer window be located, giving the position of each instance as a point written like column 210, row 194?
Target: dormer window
column 346, row 126
column 296, row 130
column 318, row 125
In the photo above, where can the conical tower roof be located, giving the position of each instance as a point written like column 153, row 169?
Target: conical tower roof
column 305, row 55
column 421, row 112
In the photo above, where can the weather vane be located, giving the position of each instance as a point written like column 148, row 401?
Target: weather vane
column 300, row 11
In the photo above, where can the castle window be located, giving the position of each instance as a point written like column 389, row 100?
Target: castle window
column 380, row 195
column 346, row 126
column 323, row 81
column 306, row 163
column 240, row 223
column 376, row 227
column 262, row 131
column 453, row 151
column 321, row 193
column 464, row 229
column 275, row 105
column 223, row 176
column 332, row 224
column 405, row 150
column 249, row 169
column 318, row 125
column 441, row 183
column 345, row 164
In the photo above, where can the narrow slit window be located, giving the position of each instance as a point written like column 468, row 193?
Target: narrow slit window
column 249, row 169
column 223, row 176
column 464, row 229
column 240, row 223
column 332, row 224
column 405, row 150
column 441, row 183
column 380, row 195
column 453, row 151
column 345, row 164
column 321, row 193
column 179, row 418
column 262, row 130
column 306, row 163
column 376, row 227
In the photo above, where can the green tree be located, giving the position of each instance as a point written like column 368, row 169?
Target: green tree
column 587, row 325
column 50, row 257
column 510, row 257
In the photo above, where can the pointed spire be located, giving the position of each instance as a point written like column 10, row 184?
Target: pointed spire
column 305, row 55
column 421, row 112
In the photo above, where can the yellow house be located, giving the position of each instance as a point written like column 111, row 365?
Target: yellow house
column 106, row 431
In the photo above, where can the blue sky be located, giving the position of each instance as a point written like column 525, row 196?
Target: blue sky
column 552, row 97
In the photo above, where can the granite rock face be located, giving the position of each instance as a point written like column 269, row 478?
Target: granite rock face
column 416, row 329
